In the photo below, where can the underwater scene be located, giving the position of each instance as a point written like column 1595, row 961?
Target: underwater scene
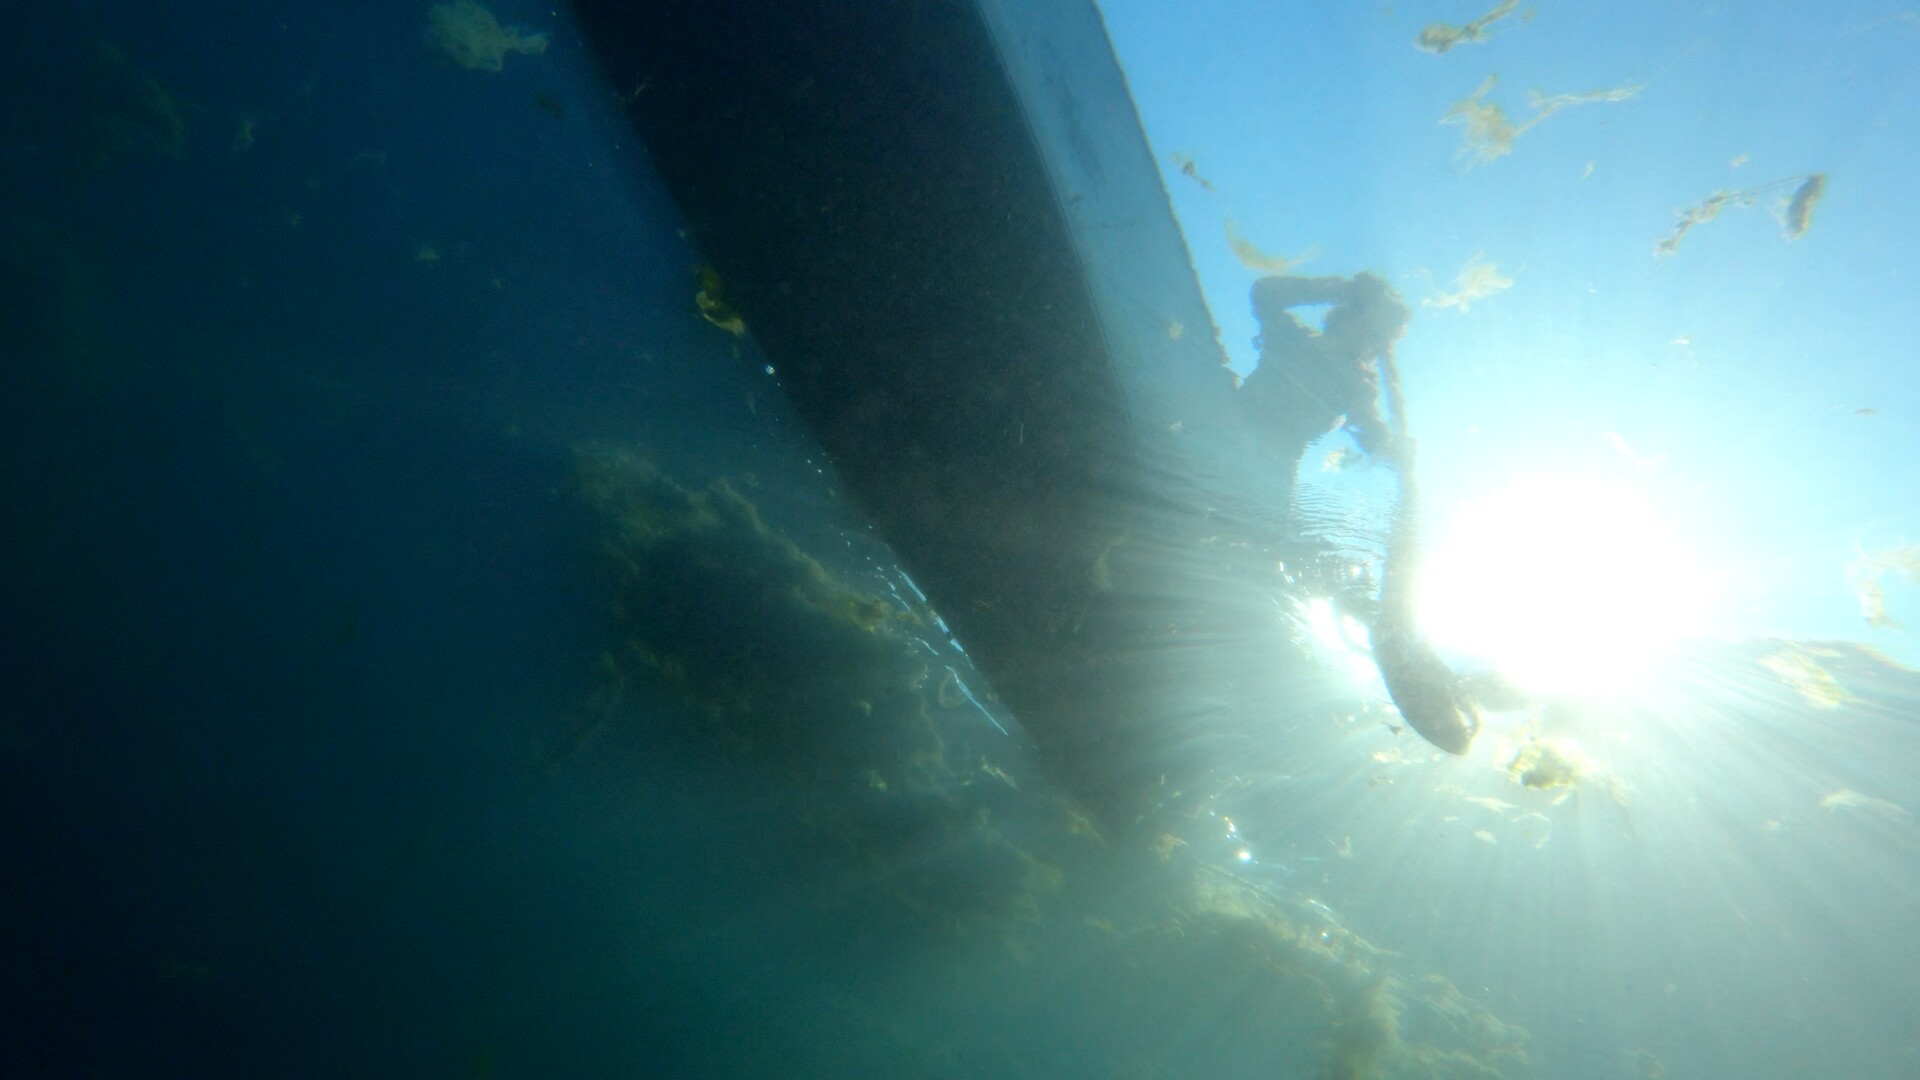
column 964, row 538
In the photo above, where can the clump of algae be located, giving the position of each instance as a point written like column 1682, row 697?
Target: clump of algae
column 775, row 651
column 1490, row 134
column 1799, row 667
column 1292, row 955
column 1477, row 280
column 468, row 32
column 1254, row 259
column 793, row 670
column 1560, row 765
column 1867, row 574
column 1795, row 211
column 1440, row 37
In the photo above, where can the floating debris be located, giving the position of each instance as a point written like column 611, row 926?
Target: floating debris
column 1529, row 825
column 711, row 299
column 1439, row 37
column 1485, row 802
column 1477, row 280
column 1164, row 847
column 1291, row 953
column 468, row 32
column 1490, row 135
column 1867, row 574
column 1795, row 211
column 1847, row 798
column 1341, row 458
column 1547, row 764
column 1560, row 765
column 1699, row 214
column 1799, row 212
column 1799, row 668
column 1546, row 106
column 1191, row 171
column 1259, row 261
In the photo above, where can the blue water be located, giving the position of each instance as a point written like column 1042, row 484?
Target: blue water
column 294, row 590
column 302, row 619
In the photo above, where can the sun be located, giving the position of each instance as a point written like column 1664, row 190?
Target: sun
column 1562, row 583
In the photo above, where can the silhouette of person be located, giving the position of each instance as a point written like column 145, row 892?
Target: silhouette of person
column 1308, row 380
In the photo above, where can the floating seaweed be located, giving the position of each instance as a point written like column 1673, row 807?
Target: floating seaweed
column 1867, row 574
column 711, row 299
column 1292, row 955
column 1259, row 261
column 1795, row 211
column 790, row 666
column 1799, row 211
column 1477, row 280
column 1560, row 766
column 1491, row 134
column 469, row 34
column 1800, row 668
column 1191, row 171
column 1847, row 798
column 1699, row 214
column 1439, row 37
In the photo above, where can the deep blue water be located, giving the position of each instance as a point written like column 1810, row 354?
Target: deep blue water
column 294, row 593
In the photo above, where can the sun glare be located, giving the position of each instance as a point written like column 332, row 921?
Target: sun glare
column 1563, row 584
